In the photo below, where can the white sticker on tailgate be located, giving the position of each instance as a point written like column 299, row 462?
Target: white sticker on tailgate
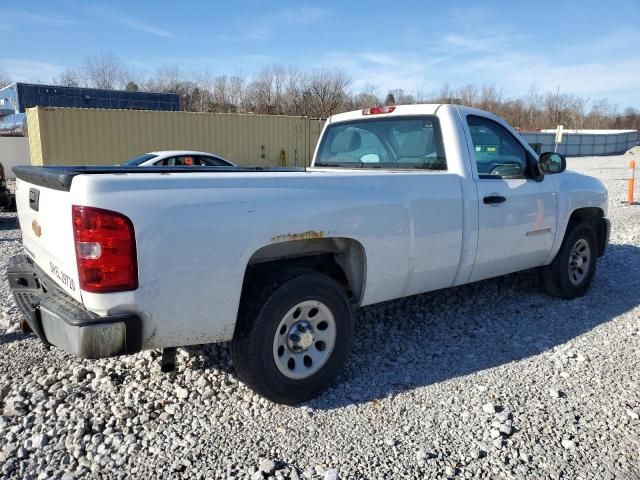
column 62, row 277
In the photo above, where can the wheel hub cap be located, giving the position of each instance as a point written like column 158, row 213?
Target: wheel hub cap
column 300, row 337
column 579, row 262
column 304, row 339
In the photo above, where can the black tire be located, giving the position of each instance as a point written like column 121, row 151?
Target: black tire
column 265, row 303
column 556, row 276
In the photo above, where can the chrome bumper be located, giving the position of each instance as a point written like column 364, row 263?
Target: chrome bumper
column 59, row 320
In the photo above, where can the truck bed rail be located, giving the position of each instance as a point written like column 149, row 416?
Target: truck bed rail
column 61, row 177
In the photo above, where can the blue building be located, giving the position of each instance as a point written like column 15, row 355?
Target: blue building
column 17, row 97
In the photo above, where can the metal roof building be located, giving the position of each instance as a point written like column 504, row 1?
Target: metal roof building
column 17, row 97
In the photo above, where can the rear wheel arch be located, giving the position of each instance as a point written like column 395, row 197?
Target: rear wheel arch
column 343, row 259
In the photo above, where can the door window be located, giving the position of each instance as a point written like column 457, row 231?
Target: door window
column 186, row 160
column 193, row 161
column 498, row 154
column 211, row 161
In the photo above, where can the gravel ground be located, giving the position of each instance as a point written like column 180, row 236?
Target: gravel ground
column 491, row 380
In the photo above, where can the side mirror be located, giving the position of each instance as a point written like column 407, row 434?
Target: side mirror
column 551, row 162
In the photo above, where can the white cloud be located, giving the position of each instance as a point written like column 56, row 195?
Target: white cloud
column 382, row 71
column 143, row 27
column 45, row 19
column 511, row 63
column 30, row 70
column 218, row 64
column 269, row 24
column 117, row 16
column 302, row 15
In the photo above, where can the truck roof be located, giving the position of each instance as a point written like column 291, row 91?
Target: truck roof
column 399, row 110
column 183, row 152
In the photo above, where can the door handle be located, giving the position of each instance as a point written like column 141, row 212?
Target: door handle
column 493, row 199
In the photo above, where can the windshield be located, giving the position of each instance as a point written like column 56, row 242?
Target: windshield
column 399, row 142
column 135, row 161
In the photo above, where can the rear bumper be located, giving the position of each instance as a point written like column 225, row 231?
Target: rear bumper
column 59, row 320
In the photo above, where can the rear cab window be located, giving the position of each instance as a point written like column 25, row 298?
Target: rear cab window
column 389, row 143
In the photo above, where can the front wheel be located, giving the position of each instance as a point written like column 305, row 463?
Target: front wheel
column 293, row 335
column 571, row 272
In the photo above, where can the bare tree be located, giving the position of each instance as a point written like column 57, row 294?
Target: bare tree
column 328, row 92
column 365, row 100
column 104, row 70
column 5, row 78
column 260, row 92
column 444, row 95
column 170, row 79
column 237, row 92
column 490, row 98
column 70, row 78
column 576, row 111
column 166, row 79
column 533, row 102
column 297, row 94
column 320, row 93
column 368, row 97
column 267, row 90
column 401, row 97
column 601, row 111
column 220, row 90
column 390, row 99
column 469, row 95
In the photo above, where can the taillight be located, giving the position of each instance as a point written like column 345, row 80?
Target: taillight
column 378, row 110
column 105, row 250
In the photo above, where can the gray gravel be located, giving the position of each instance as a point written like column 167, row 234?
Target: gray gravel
column 491, row 380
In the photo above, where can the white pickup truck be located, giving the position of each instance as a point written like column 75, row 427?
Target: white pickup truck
column 398, row 201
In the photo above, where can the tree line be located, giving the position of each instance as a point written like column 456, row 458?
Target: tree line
column 319, row 93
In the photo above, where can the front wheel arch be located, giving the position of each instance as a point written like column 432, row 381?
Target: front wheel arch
column 591, row 215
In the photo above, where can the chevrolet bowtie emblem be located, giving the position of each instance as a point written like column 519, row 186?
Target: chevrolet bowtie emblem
column 37, row 229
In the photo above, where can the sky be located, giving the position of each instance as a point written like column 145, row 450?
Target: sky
column 587, row 48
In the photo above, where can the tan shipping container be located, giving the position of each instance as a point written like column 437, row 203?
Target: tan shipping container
column 70, row 136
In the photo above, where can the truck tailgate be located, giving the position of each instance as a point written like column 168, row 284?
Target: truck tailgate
column 47, row 234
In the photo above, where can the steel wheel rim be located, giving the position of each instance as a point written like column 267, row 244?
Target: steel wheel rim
column 304, row 340
column 579, row 261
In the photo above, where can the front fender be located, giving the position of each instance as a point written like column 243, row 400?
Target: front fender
column 576, row 191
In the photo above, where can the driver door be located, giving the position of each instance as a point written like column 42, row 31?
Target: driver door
column 516, row 214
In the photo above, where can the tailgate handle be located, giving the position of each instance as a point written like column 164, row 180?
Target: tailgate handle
column 34, row 199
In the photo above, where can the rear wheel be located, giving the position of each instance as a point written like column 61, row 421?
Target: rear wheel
column 293, row 335
column 571, row 272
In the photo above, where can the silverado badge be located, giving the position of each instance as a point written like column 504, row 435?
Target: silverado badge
column 37, row 229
